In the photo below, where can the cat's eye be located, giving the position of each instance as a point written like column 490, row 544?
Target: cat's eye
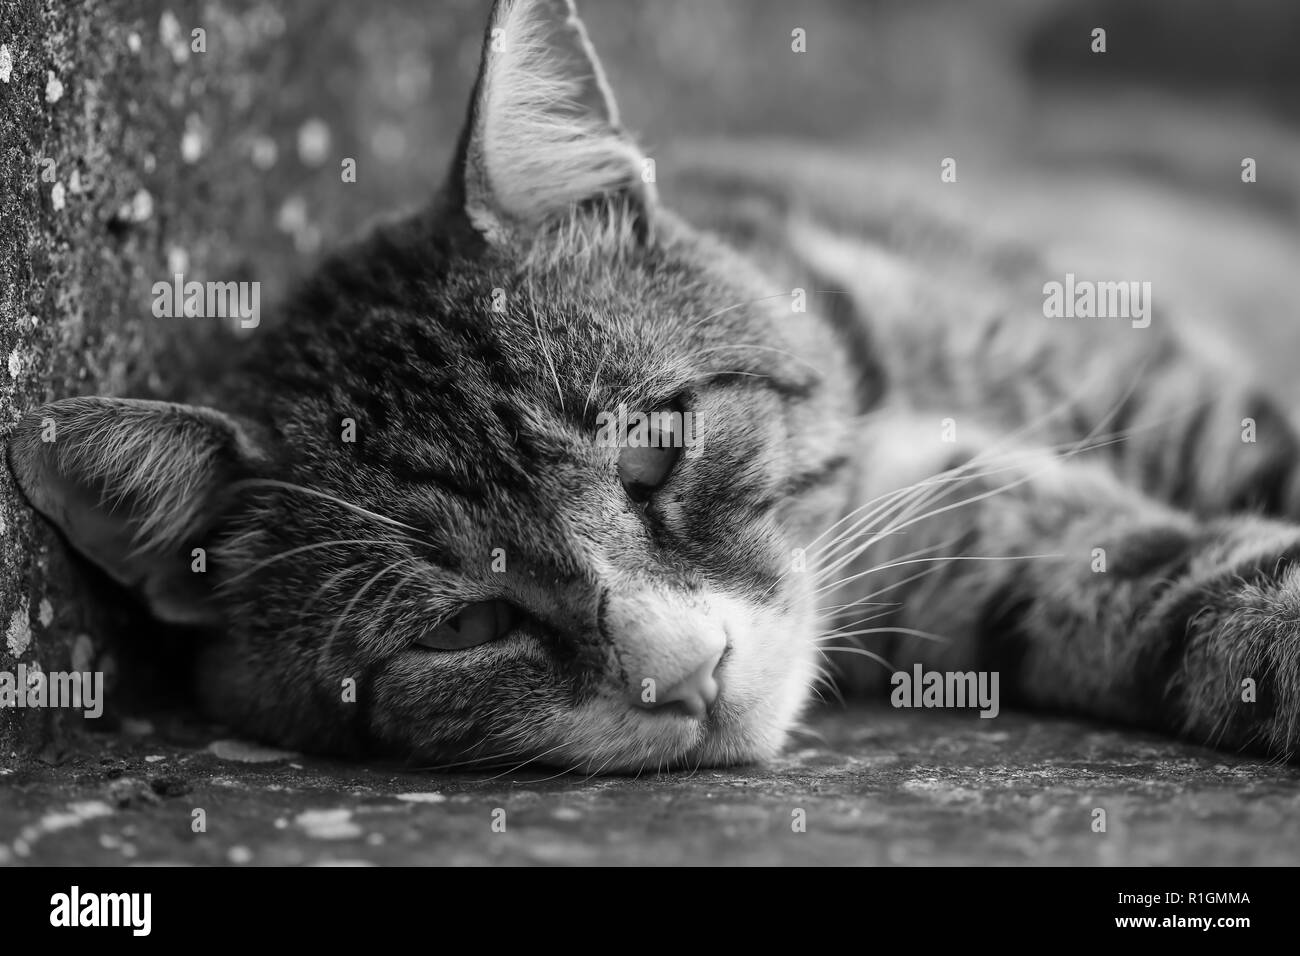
column 651, row 451
column 477, row 624
column 642, row 470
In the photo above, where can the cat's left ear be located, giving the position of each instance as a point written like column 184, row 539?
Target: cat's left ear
column 134, row 485
column 543, row 132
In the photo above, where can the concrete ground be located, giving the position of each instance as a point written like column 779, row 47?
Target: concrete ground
column 876, row 786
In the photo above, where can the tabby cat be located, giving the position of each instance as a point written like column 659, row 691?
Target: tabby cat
column 416, row 545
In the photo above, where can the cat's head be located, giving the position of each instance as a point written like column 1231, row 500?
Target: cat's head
column 429, row 519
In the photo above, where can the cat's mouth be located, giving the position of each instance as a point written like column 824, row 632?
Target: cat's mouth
column 739, row 712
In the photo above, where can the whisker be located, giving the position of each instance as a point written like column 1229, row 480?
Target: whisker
column 762, row 348
column 1091, row 441
column 302, row 549
column 832, row 608
column 915, row 557
column 491, row 760
column 739, row 305
column 402, row 581
column 853, row 555
column 591, row 392
column 945, row 558
column 347, row 611
column 868, row 619
column 803, row 730
column 357, row 509
column 908, row 631
column 596, row 773
column 546, row 352
column 907, row 580
column 344, row 572
column 531, row 759
column 863, row 652
column 962, row 503
column 827, row 679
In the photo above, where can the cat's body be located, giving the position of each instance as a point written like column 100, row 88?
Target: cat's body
column 1114, row 451
column 416, row 546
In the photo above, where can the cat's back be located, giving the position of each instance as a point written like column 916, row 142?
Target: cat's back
column 955, row 304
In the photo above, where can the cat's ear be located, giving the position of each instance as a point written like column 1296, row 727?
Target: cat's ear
column 543, row 132
column 133, row 485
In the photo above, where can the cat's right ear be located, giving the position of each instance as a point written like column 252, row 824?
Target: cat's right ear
column 543, row 132
column 133, row 485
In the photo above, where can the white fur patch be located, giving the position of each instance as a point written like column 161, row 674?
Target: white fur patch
column 765, row 683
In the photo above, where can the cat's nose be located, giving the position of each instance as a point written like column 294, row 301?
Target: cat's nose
column 665, row 646
column 695, row 693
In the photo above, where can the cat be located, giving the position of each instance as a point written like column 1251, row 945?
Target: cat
column 399, row 535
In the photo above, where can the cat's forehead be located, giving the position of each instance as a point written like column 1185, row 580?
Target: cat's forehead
column 417, row 346
column 650, row 322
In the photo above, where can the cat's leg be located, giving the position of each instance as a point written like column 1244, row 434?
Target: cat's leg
column 1084, row 594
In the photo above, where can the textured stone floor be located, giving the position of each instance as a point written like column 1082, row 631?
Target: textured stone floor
column 882, row 787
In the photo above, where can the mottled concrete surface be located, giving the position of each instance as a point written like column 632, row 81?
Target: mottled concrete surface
column 879, row 787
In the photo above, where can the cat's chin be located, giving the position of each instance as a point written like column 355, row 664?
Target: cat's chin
column 630, row 742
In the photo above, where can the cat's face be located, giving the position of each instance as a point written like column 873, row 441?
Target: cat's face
column 528, row 584
column 429, row 529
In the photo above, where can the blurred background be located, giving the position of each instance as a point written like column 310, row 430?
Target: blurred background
column 126, row 155
column 226, row 162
